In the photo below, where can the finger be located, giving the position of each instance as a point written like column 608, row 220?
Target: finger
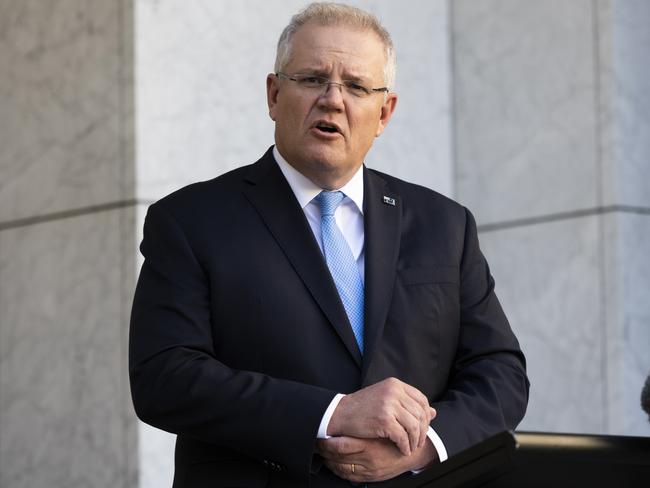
column 412, row 411
column 427, row 413
column 417, row 396
column 432, row 415
column 337, row 448
column 345, row 470
column 396, row 433
column 414, row 420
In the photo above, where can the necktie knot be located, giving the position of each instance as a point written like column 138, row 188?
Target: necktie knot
column 329, row 201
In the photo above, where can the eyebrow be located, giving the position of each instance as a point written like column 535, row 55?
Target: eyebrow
column 322, row 72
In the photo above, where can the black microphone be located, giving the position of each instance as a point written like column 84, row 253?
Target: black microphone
column 645, row 397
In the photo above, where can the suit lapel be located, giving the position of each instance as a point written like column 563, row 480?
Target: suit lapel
column 382, row 210
column 276, row 204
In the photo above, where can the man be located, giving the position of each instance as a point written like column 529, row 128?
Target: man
column 306, row 321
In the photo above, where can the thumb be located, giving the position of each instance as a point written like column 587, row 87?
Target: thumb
column 432, row 413
column 340, row 446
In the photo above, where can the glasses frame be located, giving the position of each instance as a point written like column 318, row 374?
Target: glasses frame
column 326, row 83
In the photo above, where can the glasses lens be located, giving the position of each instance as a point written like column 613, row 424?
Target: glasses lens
column 308, row 81
column 313, row 82
column 356, row 89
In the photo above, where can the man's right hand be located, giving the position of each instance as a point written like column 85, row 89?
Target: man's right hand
column 390, row 409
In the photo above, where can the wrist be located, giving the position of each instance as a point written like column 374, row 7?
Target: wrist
column 425, row 456
column 336, row 420
column 324, row 426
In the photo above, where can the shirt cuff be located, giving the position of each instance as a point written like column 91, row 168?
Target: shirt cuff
column 437, row 445
column 327, row 416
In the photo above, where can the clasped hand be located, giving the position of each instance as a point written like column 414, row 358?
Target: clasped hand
column 379, row 432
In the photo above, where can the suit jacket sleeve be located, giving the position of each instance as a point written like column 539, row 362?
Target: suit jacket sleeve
column 487, row 390
column 178, row 384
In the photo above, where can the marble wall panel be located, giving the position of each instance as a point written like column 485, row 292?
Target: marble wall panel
column 548, row 279
column 201, row 103
column 65, row 95
column 628, row 320
column 624, row 29
column 155, row 447
column 65, row 415
column 525, row 116
column 417, row 146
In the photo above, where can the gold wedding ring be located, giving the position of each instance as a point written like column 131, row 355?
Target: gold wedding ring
column 352, row 467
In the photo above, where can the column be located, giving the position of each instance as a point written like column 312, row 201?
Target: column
column 552, row 143
column 66, row 244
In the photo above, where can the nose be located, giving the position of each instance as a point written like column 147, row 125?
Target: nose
column 332, row 96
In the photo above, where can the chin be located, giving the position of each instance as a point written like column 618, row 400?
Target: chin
column 326, row 157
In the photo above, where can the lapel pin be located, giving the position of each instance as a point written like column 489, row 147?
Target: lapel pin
column 389, row 201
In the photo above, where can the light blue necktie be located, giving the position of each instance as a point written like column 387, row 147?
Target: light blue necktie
column 341, row 263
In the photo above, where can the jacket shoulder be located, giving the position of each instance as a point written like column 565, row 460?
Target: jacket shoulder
column 204, row 193
column 418, row 196
column 218, row 193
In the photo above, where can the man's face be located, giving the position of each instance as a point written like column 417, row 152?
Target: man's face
column 339, row 53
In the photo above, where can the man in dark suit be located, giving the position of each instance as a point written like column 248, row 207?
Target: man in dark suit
column 306, row 321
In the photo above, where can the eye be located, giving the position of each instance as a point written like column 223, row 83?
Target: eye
column 311, row 81
column 356, row 89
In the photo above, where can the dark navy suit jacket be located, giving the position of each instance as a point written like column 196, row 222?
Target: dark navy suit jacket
column 239, row 340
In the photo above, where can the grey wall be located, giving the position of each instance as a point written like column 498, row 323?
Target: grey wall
column 534, row 114
column 552, row 144
column 67, row 233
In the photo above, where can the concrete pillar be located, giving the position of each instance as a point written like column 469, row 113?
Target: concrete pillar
column 67, row 228
column 552, row 143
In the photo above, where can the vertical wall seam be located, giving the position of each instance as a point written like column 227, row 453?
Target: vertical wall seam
column 453, row 105
column 122, row 222
column 600, row 219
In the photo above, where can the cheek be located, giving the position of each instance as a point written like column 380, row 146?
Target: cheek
column 295, row 114
column 286, row 120
column 366, row 130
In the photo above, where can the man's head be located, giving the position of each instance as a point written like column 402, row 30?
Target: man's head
column 325, row 130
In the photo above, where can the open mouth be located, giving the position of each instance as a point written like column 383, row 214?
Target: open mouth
column 327, row 128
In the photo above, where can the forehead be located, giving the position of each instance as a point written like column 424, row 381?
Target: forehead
column 338, row 47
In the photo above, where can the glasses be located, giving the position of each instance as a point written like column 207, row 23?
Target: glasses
column 320, row 84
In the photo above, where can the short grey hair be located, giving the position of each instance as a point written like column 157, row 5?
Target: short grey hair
column 328, row 13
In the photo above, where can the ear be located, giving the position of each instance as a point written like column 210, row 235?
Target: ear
column 387, row 109
column 272, row 90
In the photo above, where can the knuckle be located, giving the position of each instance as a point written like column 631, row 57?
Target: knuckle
column 383, row 418
column 393, row 383
column 411, row 423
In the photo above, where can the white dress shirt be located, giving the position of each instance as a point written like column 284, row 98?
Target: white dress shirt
column 349, row 218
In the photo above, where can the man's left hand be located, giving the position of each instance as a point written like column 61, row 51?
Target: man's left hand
column 369, row 460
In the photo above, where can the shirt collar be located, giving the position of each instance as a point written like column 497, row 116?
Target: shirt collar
column 306, row 190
